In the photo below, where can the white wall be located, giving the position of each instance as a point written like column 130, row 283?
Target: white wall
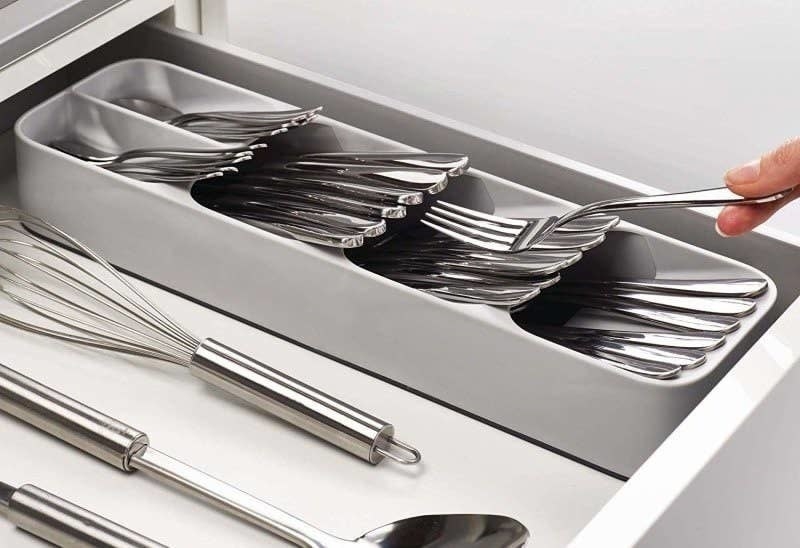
column 668, row 92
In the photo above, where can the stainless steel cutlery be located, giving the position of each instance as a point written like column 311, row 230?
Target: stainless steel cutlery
column 161, row 165
column 226, row 126
column 719, row 287
column 516, row 235
column 128, row 449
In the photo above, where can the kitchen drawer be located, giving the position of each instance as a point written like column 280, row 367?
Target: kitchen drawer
column 545, row 496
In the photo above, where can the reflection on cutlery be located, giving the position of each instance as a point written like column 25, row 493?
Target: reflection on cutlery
column 174, row 165
column 86, row 301
column 129, row 450
column 229, row 126
column 650, row 315
column 431, row 181
column 63, row 523
column 712, row 287
column 729, row 306
column 694, row 340
column 453, row 164
column 515, row 235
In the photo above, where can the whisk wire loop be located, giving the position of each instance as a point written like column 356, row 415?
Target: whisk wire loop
column 102, row 308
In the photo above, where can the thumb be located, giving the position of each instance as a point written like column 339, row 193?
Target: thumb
column 775, row 171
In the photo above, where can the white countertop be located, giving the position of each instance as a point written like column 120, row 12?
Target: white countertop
column 467, row 466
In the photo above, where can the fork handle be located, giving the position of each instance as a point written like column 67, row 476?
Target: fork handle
column 698, row 198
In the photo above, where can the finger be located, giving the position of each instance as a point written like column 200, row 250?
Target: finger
column 738, row 219
column 773, row 172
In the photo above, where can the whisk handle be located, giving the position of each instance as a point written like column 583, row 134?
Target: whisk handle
column 69, row 420
column 351, row 429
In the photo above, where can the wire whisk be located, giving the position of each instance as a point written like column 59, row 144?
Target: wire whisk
column 85, row 300
column 123, row 320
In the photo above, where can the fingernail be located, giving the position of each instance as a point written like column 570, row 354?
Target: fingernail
column 719, row 231
column 746, row 174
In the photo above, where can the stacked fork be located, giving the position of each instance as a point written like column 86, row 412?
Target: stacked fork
column 231, row 126
column 457, row 271
column 162, row 165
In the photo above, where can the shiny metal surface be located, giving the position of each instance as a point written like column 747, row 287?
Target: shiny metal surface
column 88, row 302
column 696, row 340
column 515, row 235
column 253, row 183
column 62, row 417
column 454, row 164
column 6, row 492
column 438, row 531
column 65, row 524
column 431, row 181
column 298, row 403
column 727, row 306
column 650, row 315
column 710, row 287
column 90, row 153
column 99, row 435
column 230, row 126
column 660, row 363
column 160, row 165
column 69, row 420
column 696, row 315
column 461, row 290
column 61, row 420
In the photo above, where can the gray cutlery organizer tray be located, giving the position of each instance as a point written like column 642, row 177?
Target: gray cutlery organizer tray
column 471, row 357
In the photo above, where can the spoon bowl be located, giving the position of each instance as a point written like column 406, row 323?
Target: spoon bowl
column 448, row 531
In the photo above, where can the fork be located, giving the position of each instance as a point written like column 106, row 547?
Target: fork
column 160, row 165
column 232, row 126
column 89, row 153
column 515, row 235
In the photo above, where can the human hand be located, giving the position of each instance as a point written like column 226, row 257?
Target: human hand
column 773, row 172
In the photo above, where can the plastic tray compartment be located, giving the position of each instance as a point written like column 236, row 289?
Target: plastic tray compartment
column 474, row 358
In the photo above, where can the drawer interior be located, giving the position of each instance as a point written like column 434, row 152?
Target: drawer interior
column 664, row 256
column 469, row 365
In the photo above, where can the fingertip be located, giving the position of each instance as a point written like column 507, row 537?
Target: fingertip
column 743, row 175
column 726, row 225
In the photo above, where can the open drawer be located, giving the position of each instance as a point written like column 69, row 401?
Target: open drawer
column 667, row 474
